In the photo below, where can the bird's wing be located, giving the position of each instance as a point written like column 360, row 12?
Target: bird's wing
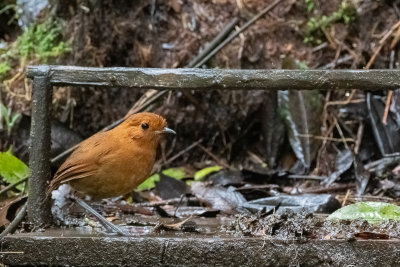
column 83, row 162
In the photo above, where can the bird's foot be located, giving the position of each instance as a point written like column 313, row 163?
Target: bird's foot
column 109, row 226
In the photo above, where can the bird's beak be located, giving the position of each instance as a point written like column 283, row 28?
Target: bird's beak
column 167, row 130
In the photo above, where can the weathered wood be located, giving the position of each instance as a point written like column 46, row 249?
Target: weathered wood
column 193, row 251
column 39, row 154
column 207, row 79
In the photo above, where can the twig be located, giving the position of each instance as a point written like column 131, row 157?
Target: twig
column 385, row 114
column 345, row 102
column 381, row 43
column 171, row 201
column 179, row 204
column 339, row 61
column 208, row 152
column 12, row 186
column 236, row 33
column 145, row 103
column 330, row 189
column 341, row 133
column 387, row 160
column 343, row 140
column 319, row 47
column 218, row 39
column 326, row 134
column 254, row 156
column 14, row 224
column 360, row 133
column 395, row 39
column 367, row 198
column 307, row 177
column 346, row 197
column 338, row 51
column 183, row 151
column 390, row 93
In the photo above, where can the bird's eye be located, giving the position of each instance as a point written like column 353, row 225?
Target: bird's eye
column 145, row 126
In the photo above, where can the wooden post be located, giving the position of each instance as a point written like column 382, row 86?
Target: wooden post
column 39, row 212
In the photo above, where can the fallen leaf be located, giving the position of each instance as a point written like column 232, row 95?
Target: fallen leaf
column 8, row 209
column 176, row 226
column 111, row 219
column 186, row 225
column 301, row 112
column 226, row 200
column 169, row 187
column 370, row 211
column 344, row 160
column 199, row 175
column 149, row 183
column 12, row 169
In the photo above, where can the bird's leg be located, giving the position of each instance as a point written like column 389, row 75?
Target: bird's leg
column 103, row 221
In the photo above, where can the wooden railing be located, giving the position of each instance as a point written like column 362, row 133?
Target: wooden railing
column 45, row 77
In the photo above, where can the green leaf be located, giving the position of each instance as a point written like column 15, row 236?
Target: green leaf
column 177, row 173
column 12, row 169
column 369, row 211
column 4, row 68
column 149, row 183
column 206, row 171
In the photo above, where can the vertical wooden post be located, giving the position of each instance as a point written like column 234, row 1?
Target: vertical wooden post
column 39, row 204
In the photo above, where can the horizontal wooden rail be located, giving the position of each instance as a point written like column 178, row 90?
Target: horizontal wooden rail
column 206, row 79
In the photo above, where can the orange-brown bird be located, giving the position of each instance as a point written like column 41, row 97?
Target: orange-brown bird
column 114, row 162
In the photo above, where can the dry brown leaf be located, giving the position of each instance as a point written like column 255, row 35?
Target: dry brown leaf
column 8, row 209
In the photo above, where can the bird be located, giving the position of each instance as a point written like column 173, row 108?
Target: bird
column 113, row 163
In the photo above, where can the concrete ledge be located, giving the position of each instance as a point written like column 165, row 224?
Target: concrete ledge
column 194, row 251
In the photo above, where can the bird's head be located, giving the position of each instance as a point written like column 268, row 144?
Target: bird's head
column 147, row 127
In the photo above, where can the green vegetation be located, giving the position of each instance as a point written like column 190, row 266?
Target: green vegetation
column 177, row 173
column 302, row 65
column 315, row 26
column 12, row 169
column 310, row 5
column 199, row 175
column 9, row 118
column 369, row 211
column 4, row 69
column 41, row 41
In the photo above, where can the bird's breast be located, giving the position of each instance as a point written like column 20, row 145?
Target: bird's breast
column 118, row 174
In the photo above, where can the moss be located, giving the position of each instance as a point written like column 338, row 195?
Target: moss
column 42, row 42
column 315, row 26
column 39, row 43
